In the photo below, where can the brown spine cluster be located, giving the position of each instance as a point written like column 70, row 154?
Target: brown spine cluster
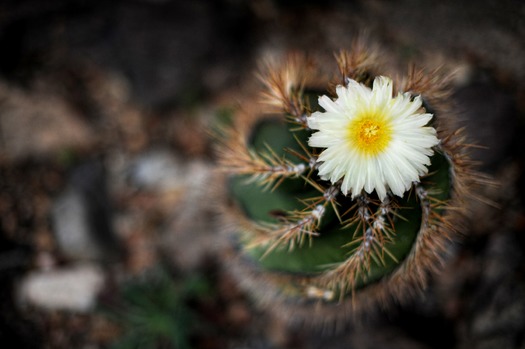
column 312, row 297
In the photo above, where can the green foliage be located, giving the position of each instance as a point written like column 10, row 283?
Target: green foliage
column 153, row 311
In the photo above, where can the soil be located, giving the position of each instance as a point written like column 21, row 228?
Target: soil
column 112, row 101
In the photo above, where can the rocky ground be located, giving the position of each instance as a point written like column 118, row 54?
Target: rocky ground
column 107, row 235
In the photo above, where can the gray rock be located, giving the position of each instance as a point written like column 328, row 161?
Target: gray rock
column 71, row 227
column 157, row 170
column 191, row 233
column 74, row 288
column 37, row 124
column 81, row 216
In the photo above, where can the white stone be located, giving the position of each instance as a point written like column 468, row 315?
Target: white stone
column 158, row 170
column 73, row 289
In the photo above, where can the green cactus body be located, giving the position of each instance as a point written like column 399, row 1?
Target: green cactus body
column 335, row 242
column 300, row 240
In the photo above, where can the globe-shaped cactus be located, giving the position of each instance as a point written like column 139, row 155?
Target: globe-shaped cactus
column 343, row 194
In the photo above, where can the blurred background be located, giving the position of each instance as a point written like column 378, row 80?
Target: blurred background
column 108, row 237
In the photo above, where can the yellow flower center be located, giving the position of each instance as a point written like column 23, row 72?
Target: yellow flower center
column 370, row 134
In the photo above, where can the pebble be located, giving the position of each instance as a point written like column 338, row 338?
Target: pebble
column 74, row 288
column 71, row 227
column 157, row 169
column 82, row 217
column 36, row 124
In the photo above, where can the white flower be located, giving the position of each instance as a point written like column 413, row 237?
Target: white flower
column 372, row 140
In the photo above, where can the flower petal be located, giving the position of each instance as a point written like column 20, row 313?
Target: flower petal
column 392, row 165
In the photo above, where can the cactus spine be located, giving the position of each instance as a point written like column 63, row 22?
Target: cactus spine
column 300, row 242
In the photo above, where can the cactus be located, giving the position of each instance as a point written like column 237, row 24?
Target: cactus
column 310, row 236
